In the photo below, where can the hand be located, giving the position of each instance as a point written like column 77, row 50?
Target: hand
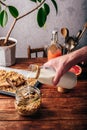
column 61, row 65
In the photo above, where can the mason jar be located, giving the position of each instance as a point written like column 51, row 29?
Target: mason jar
column 28, row 100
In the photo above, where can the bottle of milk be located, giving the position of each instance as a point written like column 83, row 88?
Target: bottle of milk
column 68, row 80
column 46, row 75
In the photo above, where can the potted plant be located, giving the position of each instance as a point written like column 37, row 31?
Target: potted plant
column 8, row 44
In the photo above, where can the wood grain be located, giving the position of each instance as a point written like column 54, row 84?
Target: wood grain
column 58, row 111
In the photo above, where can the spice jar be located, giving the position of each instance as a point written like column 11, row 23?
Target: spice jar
column 54, row 49
column 28, row 100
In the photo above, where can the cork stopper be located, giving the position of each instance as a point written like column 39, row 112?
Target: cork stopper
column 38, row 72
column 34, row 68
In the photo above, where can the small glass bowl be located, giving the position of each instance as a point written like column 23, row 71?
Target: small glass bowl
column 28, row 100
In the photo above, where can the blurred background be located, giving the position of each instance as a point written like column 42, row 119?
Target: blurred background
column 71, row 14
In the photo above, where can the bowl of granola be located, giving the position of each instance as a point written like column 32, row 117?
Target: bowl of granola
column 28, row 100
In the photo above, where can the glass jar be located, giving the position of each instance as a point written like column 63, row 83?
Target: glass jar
column 28, row 100
column 54, row 49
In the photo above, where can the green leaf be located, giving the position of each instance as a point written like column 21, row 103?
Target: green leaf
column 34, row 1
column 47, row 8
column 14, row 12
column 55, row 5
column 41, row 17
column 3, row 18
column 39, row 0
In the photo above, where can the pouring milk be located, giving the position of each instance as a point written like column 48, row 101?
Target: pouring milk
column 68, row 80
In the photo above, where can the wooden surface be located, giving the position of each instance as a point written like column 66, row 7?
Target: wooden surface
column 58, row 111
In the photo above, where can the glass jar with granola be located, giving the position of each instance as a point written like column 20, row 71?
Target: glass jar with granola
column 28, row 100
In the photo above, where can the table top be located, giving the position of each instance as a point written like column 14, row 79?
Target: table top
column 58, row 111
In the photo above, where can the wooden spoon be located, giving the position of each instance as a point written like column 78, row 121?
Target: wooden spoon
column 65, row 32
column 11, row 84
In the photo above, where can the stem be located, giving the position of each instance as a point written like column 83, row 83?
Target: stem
column 15, row 20
column 9, row 32
column 3, row 3
column 31, row 10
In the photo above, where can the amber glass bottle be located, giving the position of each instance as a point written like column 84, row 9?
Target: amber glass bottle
column 54, row 49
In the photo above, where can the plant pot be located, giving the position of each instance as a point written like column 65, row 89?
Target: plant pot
column 7, row 53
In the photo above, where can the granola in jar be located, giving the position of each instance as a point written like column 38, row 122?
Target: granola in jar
column 28, row 100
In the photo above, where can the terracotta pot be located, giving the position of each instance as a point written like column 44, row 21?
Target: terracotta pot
column 7, row 53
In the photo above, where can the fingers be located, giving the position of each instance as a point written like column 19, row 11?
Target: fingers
column 58, row 68
column 57, row 77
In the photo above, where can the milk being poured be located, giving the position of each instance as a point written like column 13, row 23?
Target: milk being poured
column 68, row 80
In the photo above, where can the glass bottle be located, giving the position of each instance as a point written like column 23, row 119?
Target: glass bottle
column 46, row 75
column 54, row 49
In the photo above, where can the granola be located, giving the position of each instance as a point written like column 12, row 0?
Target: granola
column 28, row 101
column 17, row 79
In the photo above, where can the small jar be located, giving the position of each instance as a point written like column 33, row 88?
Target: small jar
column 28, row 100
column 54, row 49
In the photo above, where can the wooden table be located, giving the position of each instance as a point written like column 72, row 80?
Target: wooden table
column 58, row 112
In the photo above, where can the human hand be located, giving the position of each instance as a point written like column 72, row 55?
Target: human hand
column 61, row 65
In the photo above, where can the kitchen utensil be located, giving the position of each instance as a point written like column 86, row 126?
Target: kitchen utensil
column 78, row 34
column 11, row 84
column 65, row 32
column 84, row 29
